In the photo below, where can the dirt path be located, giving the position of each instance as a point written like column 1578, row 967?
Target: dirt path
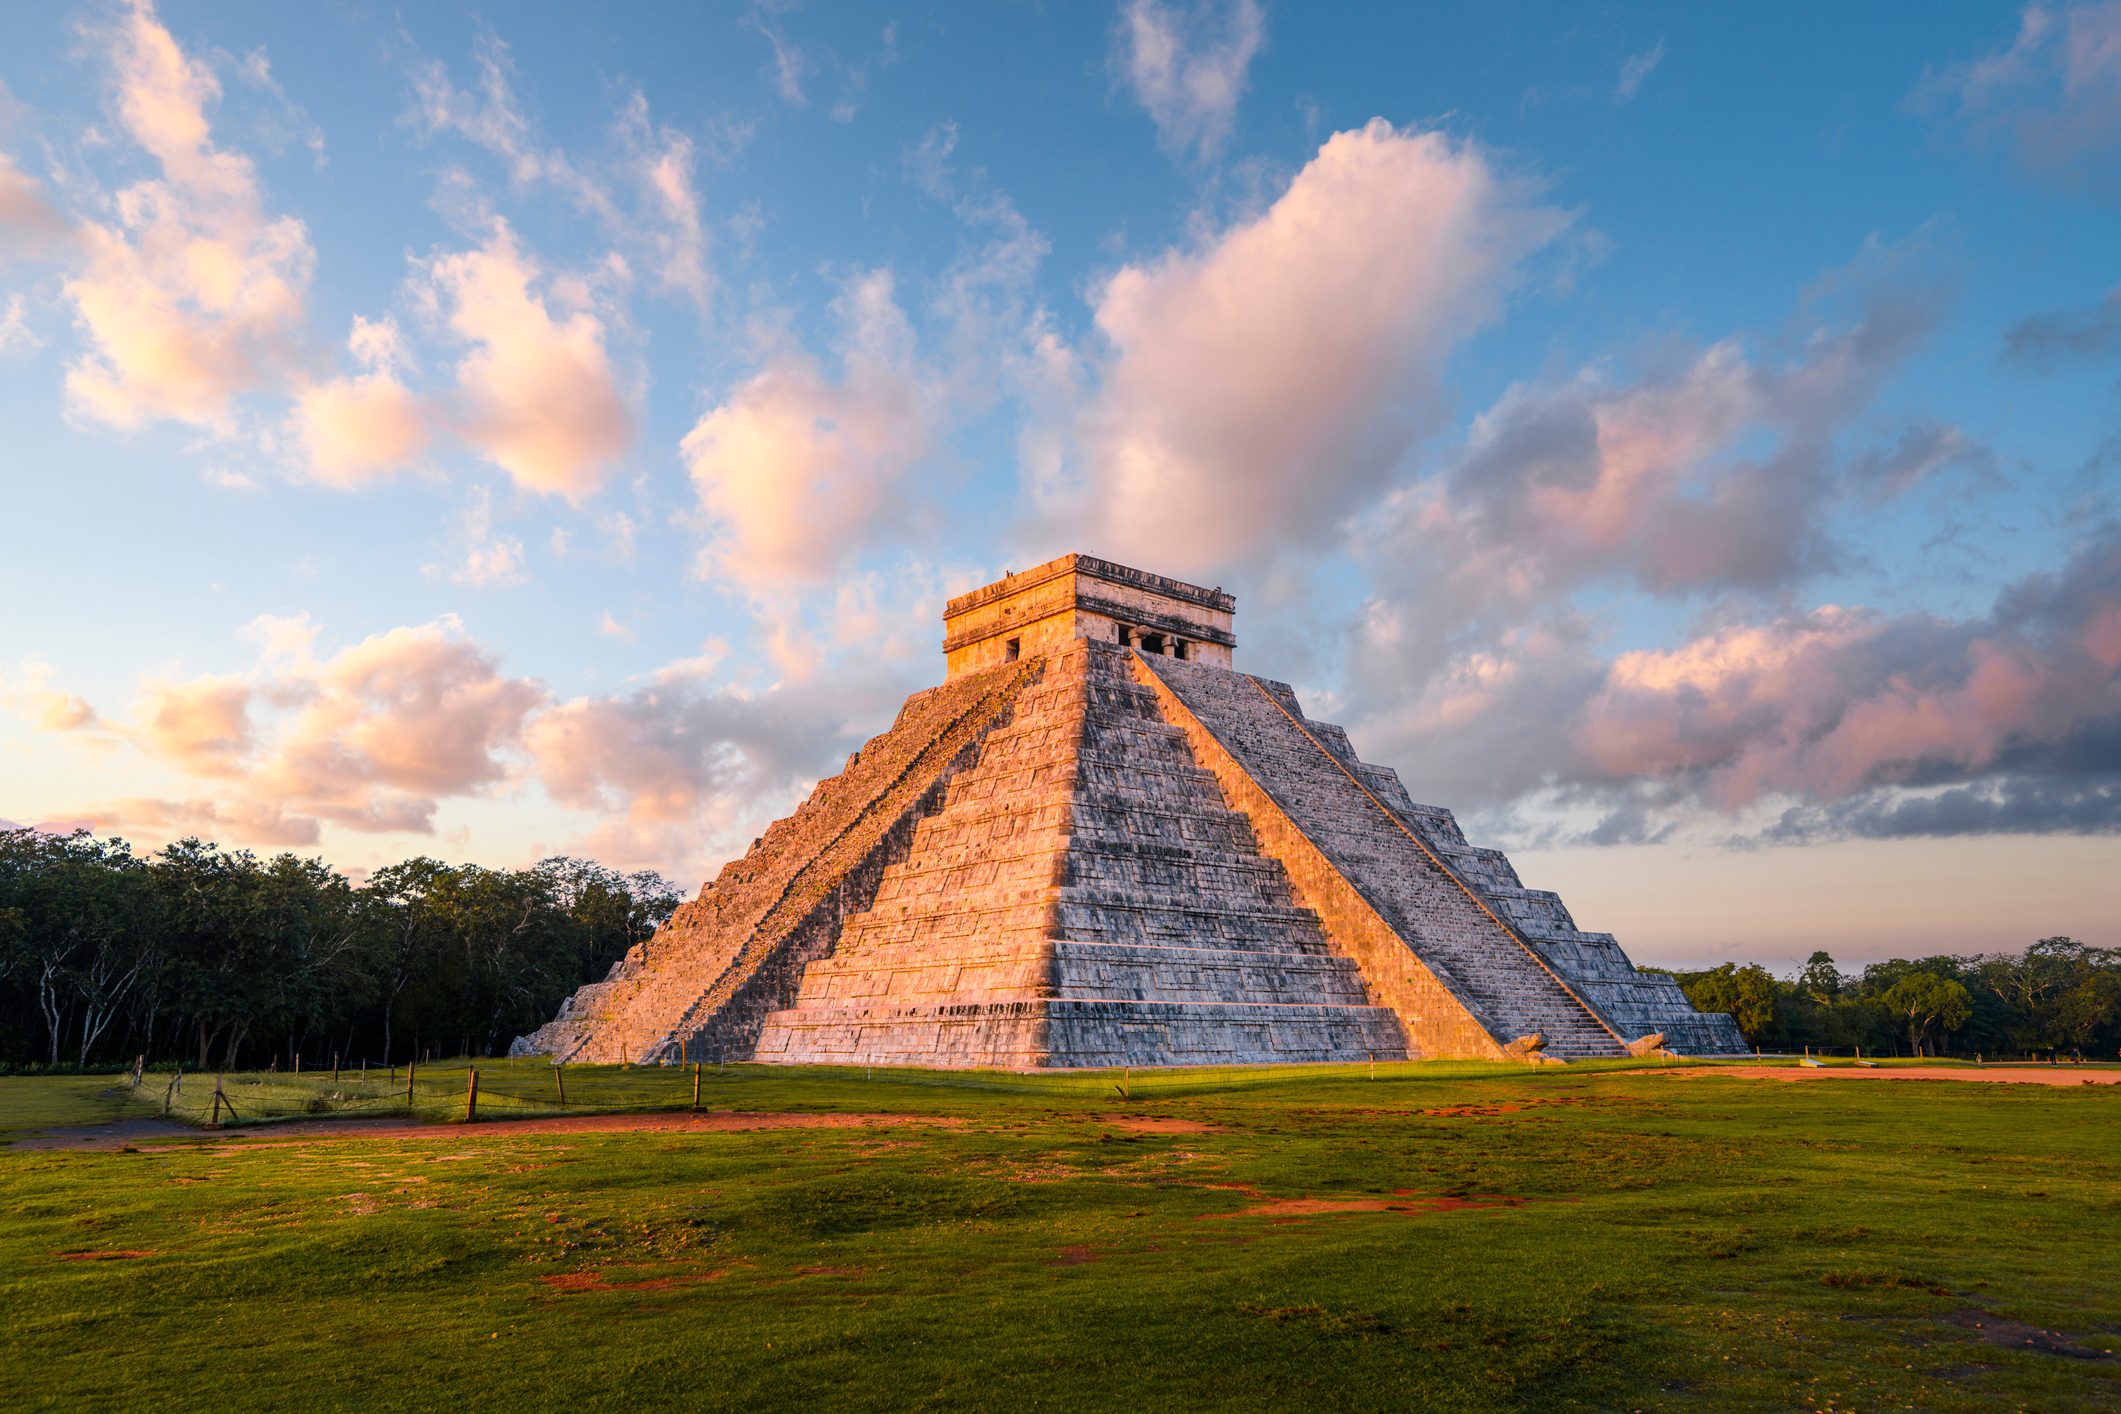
column 110, row 1137
column 1992, row 1074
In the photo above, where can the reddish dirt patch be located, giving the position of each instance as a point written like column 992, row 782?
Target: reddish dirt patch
column 831, row 1271
column 111, row 1255
column 1402, row 1201
column 1158, row 1124
column 594, row 1280
column 1991, row 1074
column 1073, row 1257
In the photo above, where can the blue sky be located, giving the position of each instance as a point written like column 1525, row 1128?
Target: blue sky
column 1682, row 439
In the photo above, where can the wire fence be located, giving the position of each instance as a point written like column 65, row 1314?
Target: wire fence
column 495, row 1089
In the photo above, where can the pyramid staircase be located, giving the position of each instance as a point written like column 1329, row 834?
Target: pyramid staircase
column 702, row 986
column 1084, row 897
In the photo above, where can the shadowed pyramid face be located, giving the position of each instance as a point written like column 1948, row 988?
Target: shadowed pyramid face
column 1097, row 844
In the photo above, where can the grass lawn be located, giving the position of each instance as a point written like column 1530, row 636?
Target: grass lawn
column 1438, row 1237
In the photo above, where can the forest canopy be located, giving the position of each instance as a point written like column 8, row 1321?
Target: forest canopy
column 2057, row 995
column 221, row 958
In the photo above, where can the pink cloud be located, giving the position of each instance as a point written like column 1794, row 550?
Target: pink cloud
column 191, row 296
column 30, row 226
column 1835, row 703
column 364, row 426
column 1262, row 387
column 202, row 726
column 536, row 393
column 799, row 470
column 1188, row 70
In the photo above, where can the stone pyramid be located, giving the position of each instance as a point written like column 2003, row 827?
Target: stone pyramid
column 1098, row 844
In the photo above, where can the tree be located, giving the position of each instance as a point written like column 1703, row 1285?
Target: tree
column 1748, row 993
column 1820, row 981
column 1926, row 1000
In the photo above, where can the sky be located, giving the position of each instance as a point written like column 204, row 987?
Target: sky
column 1683, row 440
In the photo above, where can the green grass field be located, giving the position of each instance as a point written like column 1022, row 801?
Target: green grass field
column 1475, row 1238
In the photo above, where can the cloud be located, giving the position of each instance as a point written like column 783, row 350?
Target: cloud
column 1258, row 390
column 15, row 334
column 484, row 558
column 1839, row 702
column 201, row 726
column 30, row 695
column 1635, row 69
column 1715, row 471
column 192, row 295
column 30, row 226
column 361, row 428
column 1188, row 69
column 683, row 771
column 789, row 63
column 2012, row 806
column 371, row 738
column 2054, row 93
column 536, row 393
column 662, row 160
column 248, row 822
column 662, row 224
column 1845, row 720
column 799, row 471
column 290, row 123
column 2060, row 336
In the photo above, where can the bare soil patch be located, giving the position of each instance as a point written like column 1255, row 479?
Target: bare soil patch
column 1158, row 1124
column 109, row 1255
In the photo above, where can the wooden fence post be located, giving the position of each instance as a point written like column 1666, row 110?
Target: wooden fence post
column 559, row 1078
column 695, row 1085
column 298, row 1062
column 334, row 1067
column 169, row 1096
column 471, row 1098
column 410, row 1067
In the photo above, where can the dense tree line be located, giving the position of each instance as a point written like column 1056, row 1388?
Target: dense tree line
column 2058, row 996
column 220, row 958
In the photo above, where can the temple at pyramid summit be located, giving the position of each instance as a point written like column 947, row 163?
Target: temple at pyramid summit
column 1097, row 843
